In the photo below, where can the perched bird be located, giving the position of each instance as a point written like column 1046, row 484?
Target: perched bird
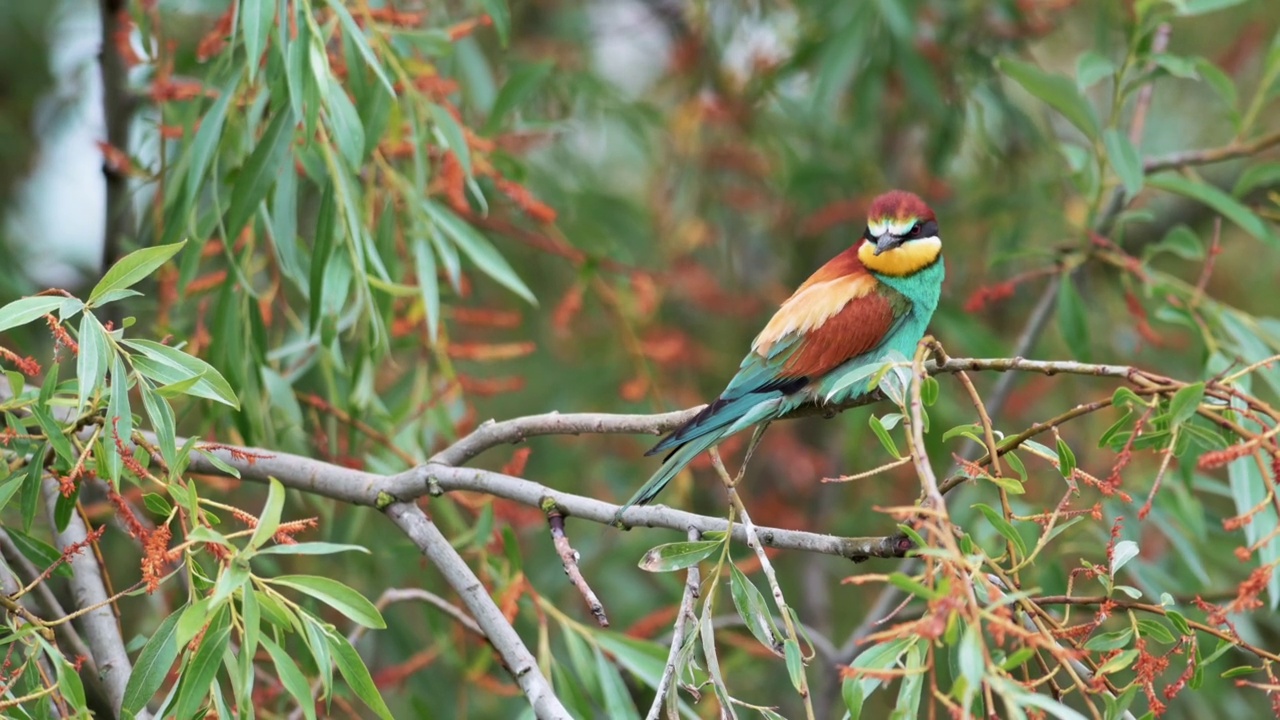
column 872, row 299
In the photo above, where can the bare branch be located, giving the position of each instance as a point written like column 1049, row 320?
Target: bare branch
column 68, row 638
column 517, row 658
column 683, row 615
column 531, row 493
column 1230, row 151
column 395, row 595
column 100, row 630
column 491, row 434
column 569, row 558
column 1138, row 124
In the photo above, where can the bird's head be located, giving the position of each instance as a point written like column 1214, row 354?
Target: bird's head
column 901, row 236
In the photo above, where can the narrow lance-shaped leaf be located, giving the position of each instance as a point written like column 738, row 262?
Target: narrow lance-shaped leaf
column 95, row 355
column 152, row 666
column 291, row 677
column 1057, row 91
column 678, row 555
column 21, row 312
column 356, row 674
column 753, row 609
column 454, row 139
column 1125, row 160
column 477, row 248
column 617, row 700
column 1072, row 318
column 356, row 34
column 132, row 268
column 201, row 668
column 259, row 171
column 355, row 606
column 269, row 520
column 256, row 19
column 1229, row 207
column 173, row 366
column 162, row 422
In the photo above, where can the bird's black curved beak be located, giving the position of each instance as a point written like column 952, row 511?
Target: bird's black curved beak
column 887, row 241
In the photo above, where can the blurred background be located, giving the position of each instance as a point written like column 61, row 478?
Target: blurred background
column 659, row 175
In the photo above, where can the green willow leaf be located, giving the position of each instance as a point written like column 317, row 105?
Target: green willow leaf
column 21, row 312
column 152, row 665
column 256, row 19
column 617, row 701
column 1184, row 403
column 1003, row 527
column 162, row 422
column 350, row 603
column 753, row 609
column 1227, row 206
column 454, row 139
column 91, row 363
column 291, row 677
column 259, row 172
column 1125, row 160
column 132, row 268
column 356, row 674
column 355, row 33
column 348, row 131
column 425, row 269
column 312, row 548
column 175, row 366
column 478, row 249
column 201, row 668
column 678, row 555
column 498, row 11
column 1057, row 91
column 40, row 553
column 519, row 87
column 269, row 520
column 9, row 489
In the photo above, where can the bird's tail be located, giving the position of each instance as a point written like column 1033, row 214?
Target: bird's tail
column 713, row 419
column 713, row 424
column 671, row 467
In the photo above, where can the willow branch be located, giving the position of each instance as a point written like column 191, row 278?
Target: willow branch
column 517, row 658
column 1157, row 610
column 1230, row 151
column 569, row 559
column 100, row 630
column 683, row 615
column 68, row 638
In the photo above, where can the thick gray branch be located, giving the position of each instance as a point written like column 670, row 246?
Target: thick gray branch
column 99, row 628
column 68, row 639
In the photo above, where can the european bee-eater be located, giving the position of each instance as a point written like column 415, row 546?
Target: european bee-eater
column 870, row 301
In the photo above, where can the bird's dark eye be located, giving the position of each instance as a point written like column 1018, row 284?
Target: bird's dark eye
column 866, row 234
column 914, row 231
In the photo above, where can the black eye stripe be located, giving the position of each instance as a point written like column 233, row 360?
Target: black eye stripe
column 928, row 229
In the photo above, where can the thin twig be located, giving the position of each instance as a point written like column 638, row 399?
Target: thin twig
column 569, row 557
column 1028, row 621
column 684, row 614
column 68, row 638
column 753, row 541
column 1230, row 151
column 1139, row 122
column 1157, row 610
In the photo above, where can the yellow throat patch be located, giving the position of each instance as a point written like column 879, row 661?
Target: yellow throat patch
column 909, row 257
